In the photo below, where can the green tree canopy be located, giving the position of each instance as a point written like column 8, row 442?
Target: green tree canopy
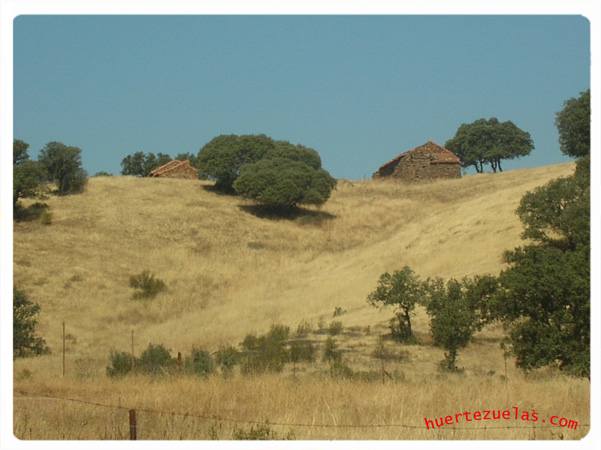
column 140, row 164
column 453, row 319
column 402, row 290
column 574, row 125
column 488, row 141
column 63, row 166
column 283, row 183
column 25, row 320
column 27, row 174
column 222, row 158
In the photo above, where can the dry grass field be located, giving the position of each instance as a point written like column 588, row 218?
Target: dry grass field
column 230, row 272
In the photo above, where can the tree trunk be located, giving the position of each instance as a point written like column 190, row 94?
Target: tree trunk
column 499, row 164
column 408, row 323
column 493, row 164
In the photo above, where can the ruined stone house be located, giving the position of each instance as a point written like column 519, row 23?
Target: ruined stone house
column 176, row 169
column 426, row 162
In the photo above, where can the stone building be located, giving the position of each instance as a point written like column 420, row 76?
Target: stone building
column 426, row 162
column 176, row 169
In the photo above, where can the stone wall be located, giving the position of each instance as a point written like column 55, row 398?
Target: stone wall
column 416, row 167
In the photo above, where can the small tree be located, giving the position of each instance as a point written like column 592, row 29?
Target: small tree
column 63, row 166
column 146, row 285
column 489, row 141
column 25, row 321
column 401, row 290
column 453, row 321
column 227, row 358
column 574, row 125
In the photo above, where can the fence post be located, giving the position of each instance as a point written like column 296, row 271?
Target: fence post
column 63, row 348
column 133, row 432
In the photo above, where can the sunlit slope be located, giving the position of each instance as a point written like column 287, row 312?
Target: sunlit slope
column 229, row 272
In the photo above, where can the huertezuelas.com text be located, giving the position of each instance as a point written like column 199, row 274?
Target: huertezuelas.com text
column 499, row 416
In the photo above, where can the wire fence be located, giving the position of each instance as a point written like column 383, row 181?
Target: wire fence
column 214, row 417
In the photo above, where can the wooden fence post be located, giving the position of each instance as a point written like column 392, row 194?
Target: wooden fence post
column 133, row 432
column 63, row 348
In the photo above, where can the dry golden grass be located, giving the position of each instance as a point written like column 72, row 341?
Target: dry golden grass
column 229, row 273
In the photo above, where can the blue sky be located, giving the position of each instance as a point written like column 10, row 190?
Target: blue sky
column 359, row 89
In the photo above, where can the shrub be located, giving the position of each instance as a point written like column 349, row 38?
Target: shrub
column 227, row 358
column 200, row 362
column 260, row 432
column 121, row 363
column 147, row 284
column 283, row 184
column 155, row 360
column 267, row 352
column 300, row 351
column 335, row 328
column 25, row 321
column 304, row 328
column 338, row 311
column 331, row 353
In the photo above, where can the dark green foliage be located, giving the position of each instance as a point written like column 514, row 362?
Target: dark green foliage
column 260, row 432
column 453, row 320
column 121, row 363
column 63, row 167
column 335, row 328
column 331, row 352
column 155, row 360
column 267, row 352
column 480, row 293
column 188, row 156
column 284, row 149
column 227, row 358
column 282, row 183
column 222, row 158
column 103, row 173
column 25, row 320
column 147, row 285
column 488, row 141
column 574, row 125
column 200, row 362
column 401, row 290
column 557, row 214
column 301, row 351
column 27, row 174
column 545, row 301
column 140, row 164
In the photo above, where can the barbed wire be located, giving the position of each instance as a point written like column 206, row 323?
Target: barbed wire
column 288, row 424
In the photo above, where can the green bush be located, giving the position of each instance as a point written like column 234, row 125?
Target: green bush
column 121, row 363
column 147, row 284
column 331, row 353
column 155, row 360
column 335, row 328
column 25, row 321
column 227, row 358
column 301, row 351
column 282, row 183
column 63, row 166
column 267, row 352
column 200, row 362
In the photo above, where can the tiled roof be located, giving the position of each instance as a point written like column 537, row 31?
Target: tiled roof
column 442, row 156
column 171, row 165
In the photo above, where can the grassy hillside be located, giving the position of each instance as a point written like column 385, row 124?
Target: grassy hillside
column 230, row 272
